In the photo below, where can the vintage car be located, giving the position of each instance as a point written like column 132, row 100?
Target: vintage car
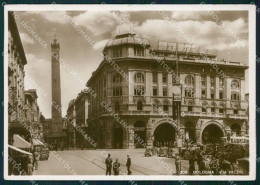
column 44, row 153
column 163, row 151
column 150, row 151
column 170, row 153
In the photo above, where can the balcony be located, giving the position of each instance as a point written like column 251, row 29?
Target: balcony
column 237, row 116
column 139, row 112
column 203, row 114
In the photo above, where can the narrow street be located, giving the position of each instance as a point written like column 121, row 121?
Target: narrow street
column 92, row 162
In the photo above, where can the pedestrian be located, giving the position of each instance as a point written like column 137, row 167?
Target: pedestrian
column 235, row 167
column 116, row 166
column 37, row 157
column 128, row 165
column 226, row 166
column 199, row 159
column 108, row 165
column 34, row 159
column 178, row 164
column 30, row 160
column 30, row 168
column 191, row 163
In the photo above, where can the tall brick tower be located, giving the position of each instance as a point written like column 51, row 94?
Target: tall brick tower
column 56, row 91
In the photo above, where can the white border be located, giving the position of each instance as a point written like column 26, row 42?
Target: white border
column 149, row 7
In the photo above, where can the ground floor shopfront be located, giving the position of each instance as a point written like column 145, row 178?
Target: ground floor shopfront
column 139, row 131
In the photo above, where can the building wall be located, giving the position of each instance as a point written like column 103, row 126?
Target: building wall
column 16, row 62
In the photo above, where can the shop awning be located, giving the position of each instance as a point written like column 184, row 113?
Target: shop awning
column 19, row 150
column 37, row 142
column 41, row 143
column 20, row 142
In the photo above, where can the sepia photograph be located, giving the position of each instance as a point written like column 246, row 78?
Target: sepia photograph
column 129, row 92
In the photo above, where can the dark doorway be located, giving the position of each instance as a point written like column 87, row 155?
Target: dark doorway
column 140, row 134
column 117, row 136
column 236, row 129
column 164, row 135
column 212, row 134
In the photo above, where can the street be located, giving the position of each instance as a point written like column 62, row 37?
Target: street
column 91, row 162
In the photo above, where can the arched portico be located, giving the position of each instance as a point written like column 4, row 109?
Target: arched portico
column 211, row 132
column 164, row 133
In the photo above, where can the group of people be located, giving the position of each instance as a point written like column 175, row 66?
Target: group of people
column 210, row 163
column 23, row 164
column 116, row 166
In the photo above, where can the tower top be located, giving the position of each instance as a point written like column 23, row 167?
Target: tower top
column 55, row 44
column 55, row 38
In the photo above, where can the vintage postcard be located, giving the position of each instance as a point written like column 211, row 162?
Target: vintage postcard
column 129, row 92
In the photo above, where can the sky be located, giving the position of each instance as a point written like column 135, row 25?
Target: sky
column 224, row 31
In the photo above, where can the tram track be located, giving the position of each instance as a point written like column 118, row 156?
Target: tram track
column 133, row 167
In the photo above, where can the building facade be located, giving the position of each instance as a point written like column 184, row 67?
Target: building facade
column 135, row 82
column 16, row 74
column 71, row 124
column 24, row 116
column 33, row 115
column 77, row 116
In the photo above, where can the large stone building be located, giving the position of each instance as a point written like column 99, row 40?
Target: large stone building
column 23, row 110
column 135, row 81
column 16, row 74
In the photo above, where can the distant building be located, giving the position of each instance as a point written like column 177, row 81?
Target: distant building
column 133, row 106
column 71, row 124
column 77, row 116
column 32, row 114
column 47, row 130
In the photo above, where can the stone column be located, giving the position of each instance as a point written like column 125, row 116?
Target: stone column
column 243, row 128
column 131, row 87
column 169, row 85
column 198, row 132
column 217, row 88
column 197, row 92
column 131, row 136
column 242, row 90
column 148, row 87
column 160, row 83
column 228, row 91
column 149, row 133
column 208, row 86
column 109, row 132
column 125, row 138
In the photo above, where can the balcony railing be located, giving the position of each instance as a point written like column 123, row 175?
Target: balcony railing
column 203, row 114
column 237, row 116
column 141, row 112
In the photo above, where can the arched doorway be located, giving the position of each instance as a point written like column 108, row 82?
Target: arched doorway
column 117, row 136
column 190, row 132
column 212, row 134
column 164, row 135
column 236, row 129
column 140, row 134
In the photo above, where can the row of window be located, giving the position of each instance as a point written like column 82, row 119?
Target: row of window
column 189, row 80
column 189, row 93
column 166, row 108
column 138, row 51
